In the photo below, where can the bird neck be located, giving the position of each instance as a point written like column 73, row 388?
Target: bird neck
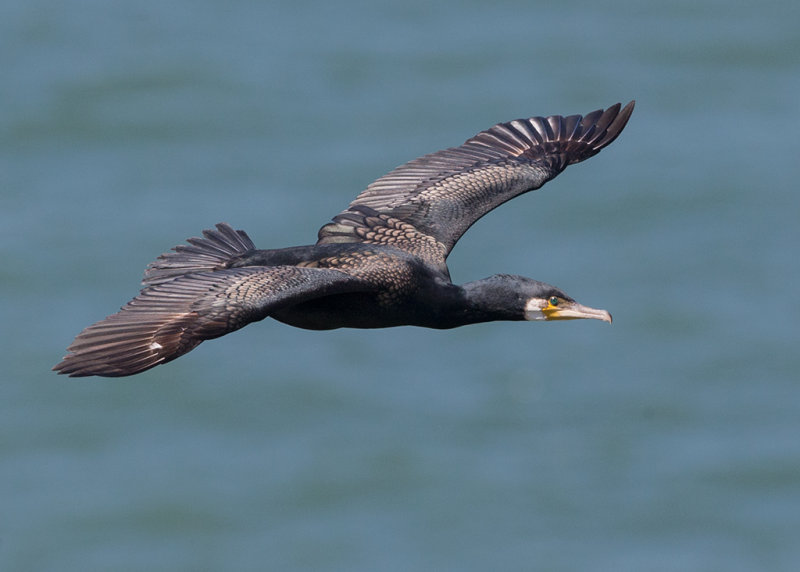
column 487, row 300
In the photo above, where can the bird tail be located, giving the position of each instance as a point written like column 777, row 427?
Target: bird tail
column 217, row 250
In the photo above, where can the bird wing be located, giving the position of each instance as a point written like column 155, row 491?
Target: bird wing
column 426, row 205
column 169, row 319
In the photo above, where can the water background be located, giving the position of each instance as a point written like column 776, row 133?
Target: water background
column 669, row 441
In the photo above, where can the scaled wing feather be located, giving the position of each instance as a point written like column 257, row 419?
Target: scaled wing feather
column 442, row 194
column 169, row 319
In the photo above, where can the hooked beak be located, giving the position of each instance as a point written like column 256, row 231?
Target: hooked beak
column 574, row 311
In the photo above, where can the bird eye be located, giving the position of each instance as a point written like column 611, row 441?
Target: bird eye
column 553, row 301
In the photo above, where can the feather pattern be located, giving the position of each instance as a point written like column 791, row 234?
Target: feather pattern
column 442, row 194
column 170, row 318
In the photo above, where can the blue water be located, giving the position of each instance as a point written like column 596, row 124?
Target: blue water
column 668, row 441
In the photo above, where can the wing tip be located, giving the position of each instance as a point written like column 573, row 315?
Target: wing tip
column 118, row 352
column 595, row 131
column 574, row 138
column 619, row 117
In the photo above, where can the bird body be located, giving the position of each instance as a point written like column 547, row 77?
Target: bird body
column 380, row 263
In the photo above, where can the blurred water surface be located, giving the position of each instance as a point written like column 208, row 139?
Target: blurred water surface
column 667, row 441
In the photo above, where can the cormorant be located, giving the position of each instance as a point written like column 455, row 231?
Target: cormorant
column 380, row 263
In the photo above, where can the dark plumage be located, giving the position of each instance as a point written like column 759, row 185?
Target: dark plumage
column 380, row 263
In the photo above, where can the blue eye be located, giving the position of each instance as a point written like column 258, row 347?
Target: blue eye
column 553, row 301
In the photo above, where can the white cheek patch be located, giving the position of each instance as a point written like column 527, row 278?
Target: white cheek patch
column 533, row 309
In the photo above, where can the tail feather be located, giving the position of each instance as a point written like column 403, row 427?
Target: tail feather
column 213, row 252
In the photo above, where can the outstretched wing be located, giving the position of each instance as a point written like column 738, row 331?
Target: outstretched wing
column 169, row 319
column 426, row 205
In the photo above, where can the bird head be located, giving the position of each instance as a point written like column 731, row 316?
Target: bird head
column 511, row 297
column 549, row 303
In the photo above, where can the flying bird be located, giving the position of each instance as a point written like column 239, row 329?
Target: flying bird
column 381, row 262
